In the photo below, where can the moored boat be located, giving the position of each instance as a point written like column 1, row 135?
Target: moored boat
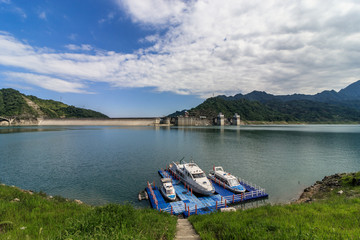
column 167, row 189
column 192, row 175
column 226, row 179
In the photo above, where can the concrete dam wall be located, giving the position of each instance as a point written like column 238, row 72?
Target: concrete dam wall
column 100, row 122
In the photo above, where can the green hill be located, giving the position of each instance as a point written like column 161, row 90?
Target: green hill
column 275, row 110
column 248, row 110
column 14, row 104
column 324, row 107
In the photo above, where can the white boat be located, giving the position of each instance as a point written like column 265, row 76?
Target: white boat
column 226, row 179
column 191, row 175
column 167, row 189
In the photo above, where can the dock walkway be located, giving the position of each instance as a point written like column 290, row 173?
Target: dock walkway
column 191, row 204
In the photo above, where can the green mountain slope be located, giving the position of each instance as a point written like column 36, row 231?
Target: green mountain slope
column 15, row 104
column 248, row 110
column 290, row 111
column 324, row 107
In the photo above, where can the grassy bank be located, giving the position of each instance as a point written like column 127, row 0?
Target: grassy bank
column 330, row 215
column 26, row 215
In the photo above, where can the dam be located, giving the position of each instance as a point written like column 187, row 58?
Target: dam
column 144, row 121
column 100, row 122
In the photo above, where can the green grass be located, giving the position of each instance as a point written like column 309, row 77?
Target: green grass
column 336, row 217
column 38, row 217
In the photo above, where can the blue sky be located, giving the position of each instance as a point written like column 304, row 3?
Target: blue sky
column 152, row 57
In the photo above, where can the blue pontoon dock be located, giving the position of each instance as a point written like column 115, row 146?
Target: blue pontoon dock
column 190, row 204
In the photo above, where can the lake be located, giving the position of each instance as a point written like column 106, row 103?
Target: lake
column 100, row 165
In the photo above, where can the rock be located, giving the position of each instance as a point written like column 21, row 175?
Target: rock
column 340, row 192
column 16, row 200
column 229, row 209
column 78, row 201
column 22, row 228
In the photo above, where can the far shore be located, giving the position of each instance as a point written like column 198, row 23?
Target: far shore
column 145, row 121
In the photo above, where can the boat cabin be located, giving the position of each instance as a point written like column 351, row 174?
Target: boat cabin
column 225, row 177
column 166, row 182
column 193, row 171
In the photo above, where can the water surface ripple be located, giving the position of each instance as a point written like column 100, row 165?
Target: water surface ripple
column 112, row 164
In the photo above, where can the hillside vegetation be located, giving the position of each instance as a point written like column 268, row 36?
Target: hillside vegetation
column 272, row 111
column 324, row 107
column 17, row 105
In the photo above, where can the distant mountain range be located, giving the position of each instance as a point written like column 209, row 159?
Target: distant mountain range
column 14, row 104
column 350, row 93
column 327, row 106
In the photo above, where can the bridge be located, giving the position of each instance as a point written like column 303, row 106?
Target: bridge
column 6, row 119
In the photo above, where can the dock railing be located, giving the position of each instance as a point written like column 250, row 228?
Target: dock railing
column 152, row 194
column 255, row 191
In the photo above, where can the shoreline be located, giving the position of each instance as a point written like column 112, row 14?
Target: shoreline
column 150, row 121
column 307, row 195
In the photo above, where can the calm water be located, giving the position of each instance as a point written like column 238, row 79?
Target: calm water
column 112, row 164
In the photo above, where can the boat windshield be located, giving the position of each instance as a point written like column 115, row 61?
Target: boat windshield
column 198, row 175
column 233, row 182
column 169, row 191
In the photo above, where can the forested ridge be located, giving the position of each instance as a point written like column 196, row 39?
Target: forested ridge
column 17, row 105
column 324, row 107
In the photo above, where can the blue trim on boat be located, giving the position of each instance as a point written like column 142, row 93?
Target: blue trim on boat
column 238, row 187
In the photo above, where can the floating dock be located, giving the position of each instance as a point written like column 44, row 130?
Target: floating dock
column 190, row 204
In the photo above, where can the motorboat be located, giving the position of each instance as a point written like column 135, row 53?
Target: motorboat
column 192, row 175
column 167, row 189
column 226, row 179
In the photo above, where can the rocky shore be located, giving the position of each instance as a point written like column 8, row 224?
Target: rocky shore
column 342, row 183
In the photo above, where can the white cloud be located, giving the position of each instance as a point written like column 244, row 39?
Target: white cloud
column 215, row 47
column 50, row 83
column 82, row 47
column 73, row 36
column 42, row 15
column 154, row 11
column 108, row 18
column 5, row 1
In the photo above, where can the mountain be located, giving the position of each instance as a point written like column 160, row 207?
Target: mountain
column 327, row 106
column 350, row 93
column 14, row 104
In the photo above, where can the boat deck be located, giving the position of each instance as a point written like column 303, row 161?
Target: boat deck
column 190, row 204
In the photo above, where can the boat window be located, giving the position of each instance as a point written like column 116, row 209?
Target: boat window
column 233, row 182
column 169, row 191
column 198, row 175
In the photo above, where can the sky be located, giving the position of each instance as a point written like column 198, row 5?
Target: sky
column 146, row 58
